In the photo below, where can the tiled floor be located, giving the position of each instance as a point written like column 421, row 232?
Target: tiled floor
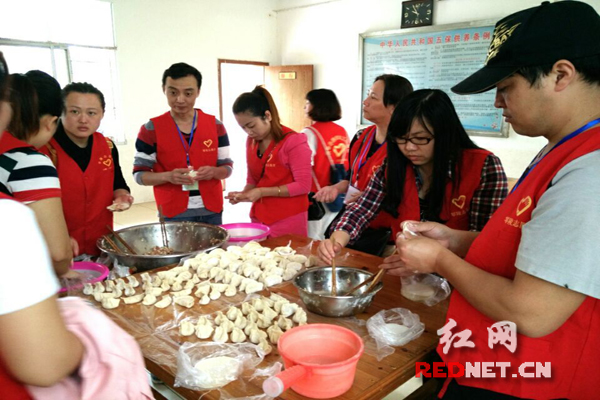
column 143, row 213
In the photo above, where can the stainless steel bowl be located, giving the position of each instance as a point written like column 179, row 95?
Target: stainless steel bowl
column 314, row 287
column 185, row 238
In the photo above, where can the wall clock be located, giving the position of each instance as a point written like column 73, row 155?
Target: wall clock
column 417, row 13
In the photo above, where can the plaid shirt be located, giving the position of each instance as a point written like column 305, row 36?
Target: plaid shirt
column 491, row 192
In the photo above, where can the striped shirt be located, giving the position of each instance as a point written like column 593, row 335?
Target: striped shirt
column 28, row 175
column 489, row 195
column 145, row 157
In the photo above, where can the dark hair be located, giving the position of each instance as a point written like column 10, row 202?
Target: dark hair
column 85, row 88
column 587, row 67
column 434, row 110
column 325, row 105
column 3, row 78
column 396, row 88
column 257, row 103
column 181, row 70
column 32, row 95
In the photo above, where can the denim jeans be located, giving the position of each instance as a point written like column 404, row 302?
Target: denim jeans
column 213, row 219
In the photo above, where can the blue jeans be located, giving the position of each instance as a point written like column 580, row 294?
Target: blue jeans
column 213, row 219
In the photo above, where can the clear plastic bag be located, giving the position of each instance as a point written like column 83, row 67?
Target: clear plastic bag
column 395, row 327
column 210, row 365
column 425, row 288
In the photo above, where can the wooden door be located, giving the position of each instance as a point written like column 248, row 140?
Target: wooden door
column 288, row 84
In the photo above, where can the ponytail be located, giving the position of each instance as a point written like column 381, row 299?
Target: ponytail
column 24, row 102
column 257, row 103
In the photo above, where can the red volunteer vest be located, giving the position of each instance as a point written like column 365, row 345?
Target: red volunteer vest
column 457, row 203
column 573, row 349
column 85, row 195
column 361, row 174
column 170, row 154
column 269, row 210
column 336, row 141
column 11, row 389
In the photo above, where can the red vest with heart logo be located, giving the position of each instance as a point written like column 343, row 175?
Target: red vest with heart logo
column 360, row 175
column 170, row 154
column 269, row 171
column 573, row 349
column 336, row 140
column 457, row 201
column 85, row 195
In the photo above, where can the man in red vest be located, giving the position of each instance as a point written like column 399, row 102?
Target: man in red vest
column 536, row 262
column 184, row 153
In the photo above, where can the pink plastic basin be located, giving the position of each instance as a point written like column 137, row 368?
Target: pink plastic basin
column 246, row 232
column 93, row 272
column 320, row 361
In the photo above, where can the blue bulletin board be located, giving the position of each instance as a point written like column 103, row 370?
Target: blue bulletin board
column 436, row 57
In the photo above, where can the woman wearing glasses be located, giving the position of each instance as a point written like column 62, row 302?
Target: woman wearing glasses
column 433, row 172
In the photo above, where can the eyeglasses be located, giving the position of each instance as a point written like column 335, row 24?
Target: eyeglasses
column 418, row 141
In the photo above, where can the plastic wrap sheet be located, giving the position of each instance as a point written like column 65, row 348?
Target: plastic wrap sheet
column 394, row 327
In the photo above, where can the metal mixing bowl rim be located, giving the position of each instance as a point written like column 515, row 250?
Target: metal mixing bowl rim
column 372, row 292
column 100, row 241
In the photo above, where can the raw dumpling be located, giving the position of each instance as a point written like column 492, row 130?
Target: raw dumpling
column 274, row 333
column 186, row 328
column 238, row 336
column 263, row 322
column 288, row 309
column 252, row 316
column 204, row 300
column 103, row 296
column 258, row 304
column 246, row 308
column 230, row 291
column 214, row 294
column 256, row 335
column 289, row 274
column 110, row 286
column 299, row 258
column 236, row 280
column 133, row 281
column 269, row 314
column 299, row 316
column 110, row 303
column 265, row 347
column 227, row 325
column 128, row 290
column 220, row 318
column 149, row 299
column 204, row 331
column 156, row 281
column 88, row 289
column 240, row 321
column 249, row 327
column 133, row 299
column 253, row 287
column 233, row 313
column 272, row 280
column 164, row 302
column 155, row 291
column 146, row 277
column 294, row 265
column 275, row 297
column 184, row 292
column 176, row 286
column 185, row 301
column 220, row 335
column 99, row 288
column 284, row 323
column 202, row 290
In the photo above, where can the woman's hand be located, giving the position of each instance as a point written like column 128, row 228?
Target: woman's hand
column 353, row 197
column 250, row 195
column 121, row 202
column 205, row 173
column 327, row 250
column 179, row 176
column 432, row 230
column 327, row 194
column 415, row 254
column 74, row 246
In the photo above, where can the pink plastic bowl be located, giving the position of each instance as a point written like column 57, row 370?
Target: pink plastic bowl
column 246, row 232
column 94, row 271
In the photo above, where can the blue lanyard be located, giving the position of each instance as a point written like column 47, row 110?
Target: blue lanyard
column 563, row 140
column 186, row 148
column 362, row 156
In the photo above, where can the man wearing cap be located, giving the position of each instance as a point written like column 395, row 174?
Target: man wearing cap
column 536, row 262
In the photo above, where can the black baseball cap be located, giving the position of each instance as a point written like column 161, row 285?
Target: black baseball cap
column 536, row 36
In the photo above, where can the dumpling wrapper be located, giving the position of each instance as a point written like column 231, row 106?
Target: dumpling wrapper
column 119, row 207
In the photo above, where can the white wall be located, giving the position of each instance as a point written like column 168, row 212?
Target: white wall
column 153, row 34
column 327, row 35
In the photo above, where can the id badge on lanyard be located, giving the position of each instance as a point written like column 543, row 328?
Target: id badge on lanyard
column 193, row 186
column 351, row 190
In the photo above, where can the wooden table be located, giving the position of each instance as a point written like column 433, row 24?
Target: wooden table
column 374, row 379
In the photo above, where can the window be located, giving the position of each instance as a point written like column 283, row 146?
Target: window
column 71, row 40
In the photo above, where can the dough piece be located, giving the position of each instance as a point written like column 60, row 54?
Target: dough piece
column 265, row 346
column 186, row 328
column 214, row 294
column 133, row 281
column 220, row 335
column 230, row 291
column 269, row 313
column 237, row 335
column 300, row 316
column 274, row 332
column 204, row 331
column 233, row 313
column 240, row 322
column 149, row 299
column 284, row 323
column 88, row 289
column 133, row 299
column 204, row 300
column 164, row 302
column 288, row 309
column 256, row 335
column 417, row 291
column 109, row 303
column 118, row 207
column 128, row 290
column 184, row 301
column 184, row 292
column 99, row 287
